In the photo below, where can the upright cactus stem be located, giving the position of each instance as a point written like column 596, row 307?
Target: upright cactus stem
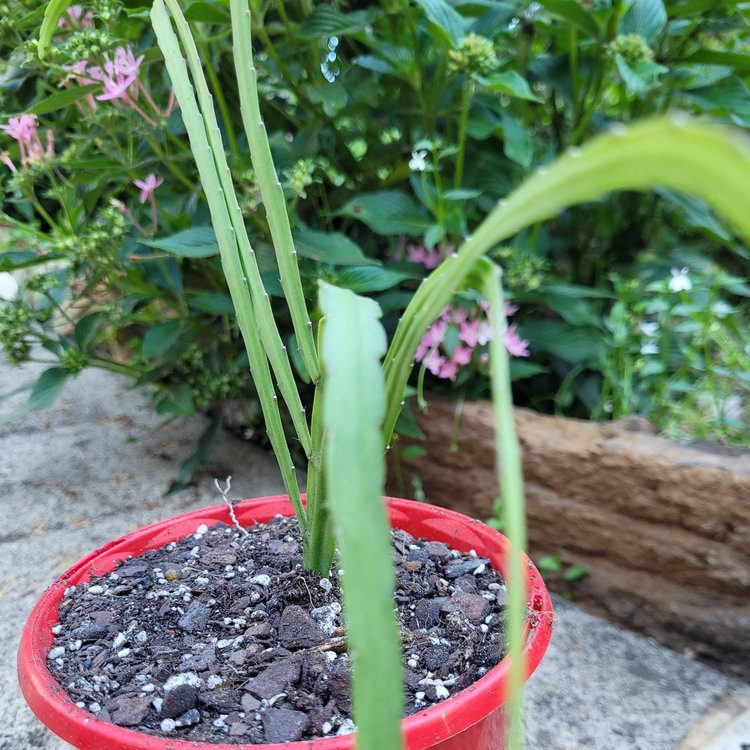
column 266, row 324
column 270, row 188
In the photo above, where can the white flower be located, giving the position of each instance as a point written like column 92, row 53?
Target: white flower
column 680, row 281
column 418, row 162
column 8, row 286
column 721, row 309
column 650, row 348
column 650, row 329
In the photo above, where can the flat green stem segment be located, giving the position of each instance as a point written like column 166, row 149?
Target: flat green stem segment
column 269, row 333
column 230, row 255
column 319, row 554
column 52, row 14
column 353, row 410
column 270, row 187
column 709, row 161
column 510, row 481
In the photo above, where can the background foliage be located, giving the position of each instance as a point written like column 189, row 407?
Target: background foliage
column 396, row 126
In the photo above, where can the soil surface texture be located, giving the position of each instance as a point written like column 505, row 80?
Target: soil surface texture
column 224, row 637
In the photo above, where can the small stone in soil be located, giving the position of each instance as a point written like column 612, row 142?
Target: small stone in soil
column 195, row 618
column 274, row 679
column 284, row 725
column 473, row 606
column 129, row 711
column 178, row 700
column 298, row 629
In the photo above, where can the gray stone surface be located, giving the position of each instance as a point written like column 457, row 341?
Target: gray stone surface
column 93, row 467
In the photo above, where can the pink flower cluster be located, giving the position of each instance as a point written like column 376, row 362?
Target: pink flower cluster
column 120, row 79
column 76, row 18
column 24, row 129
column 474, row 333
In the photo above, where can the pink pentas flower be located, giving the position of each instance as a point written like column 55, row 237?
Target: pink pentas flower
column 448, row 370
column 462, row 354
column 116, row 87
column 148, row 187
column 468, row 332
column 423, row 256
column 23, row 128
column 77, row 18
column 516, row 346
column 434, row 362
column 126, row 62
column 474, row 331
column 25, row 132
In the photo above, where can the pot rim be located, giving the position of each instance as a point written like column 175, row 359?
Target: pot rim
column 49, row 701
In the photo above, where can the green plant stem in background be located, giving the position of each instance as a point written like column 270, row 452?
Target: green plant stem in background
column 510, row 480
column 462, row 124
column 270, row 187
column 354, row 407
column 677, row 152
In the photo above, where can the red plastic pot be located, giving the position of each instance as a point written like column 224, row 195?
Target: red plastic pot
column 470, row 720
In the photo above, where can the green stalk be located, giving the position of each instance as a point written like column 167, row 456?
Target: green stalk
column 270, row 187
column 677, row 152
column 319, row 554
column 230, row 255
column 462, row 124
column 269, row 333
column 510, row 480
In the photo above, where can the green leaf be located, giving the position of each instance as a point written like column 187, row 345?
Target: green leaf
column 512, row 83
column 213, row 303
column 364, row 279
column 12, row 259
column 158, row 340
column 451, row 24
column 326, row 20
column 739, row 62
column 461, row 194
column 571, row 10
column 645, row 17
column 412, row 452
column 47, row 388
column 517, row 142
column 87, row 328
column 730, row 98
column 353, row 411
column 55, row 10
column 196, row 242
column 62, row 99
column 575, row 573
column 433, row 235
column 179, row 402
column 522, row 368
column 641, row 78
column 207, row 12
column 388, row 212
column 375, row 64
column 334, row 248
column 570, row 343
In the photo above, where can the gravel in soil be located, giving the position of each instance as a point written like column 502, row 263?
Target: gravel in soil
column 224, row 637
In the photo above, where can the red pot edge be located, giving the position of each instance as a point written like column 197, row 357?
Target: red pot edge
column 52, row 706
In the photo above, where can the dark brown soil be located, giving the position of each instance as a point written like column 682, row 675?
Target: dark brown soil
column 225, row 637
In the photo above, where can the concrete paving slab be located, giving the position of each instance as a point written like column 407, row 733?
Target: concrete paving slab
column 92, row 468
column 726, row 726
